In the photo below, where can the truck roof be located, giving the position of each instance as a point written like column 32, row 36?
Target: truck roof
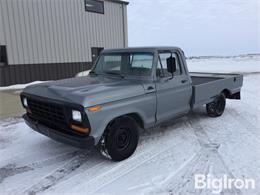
column 139, row 49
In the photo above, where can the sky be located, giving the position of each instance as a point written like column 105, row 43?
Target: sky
column 199, row 27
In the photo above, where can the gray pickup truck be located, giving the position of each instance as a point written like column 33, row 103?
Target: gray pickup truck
column 126, row 90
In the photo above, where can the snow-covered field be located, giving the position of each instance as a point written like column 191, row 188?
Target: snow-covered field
column 238, row 64
column 165, row 161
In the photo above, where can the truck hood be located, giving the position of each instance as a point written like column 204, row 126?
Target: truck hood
column 88, row 91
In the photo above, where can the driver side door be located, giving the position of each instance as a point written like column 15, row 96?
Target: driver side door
column 173, row 91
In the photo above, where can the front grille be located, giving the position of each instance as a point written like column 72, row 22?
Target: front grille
column 48, row 112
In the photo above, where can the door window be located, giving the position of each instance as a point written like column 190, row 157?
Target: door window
column 162, row 64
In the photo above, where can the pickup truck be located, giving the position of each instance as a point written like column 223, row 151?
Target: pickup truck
column 126, row 90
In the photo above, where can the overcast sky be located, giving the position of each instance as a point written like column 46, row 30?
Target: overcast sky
column 200, row 27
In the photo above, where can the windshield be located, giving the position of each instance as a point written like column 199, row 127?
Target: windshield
column 137, row 64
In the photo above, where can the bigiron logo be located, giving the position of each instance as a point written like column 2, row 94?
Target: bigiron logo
column 217, row 185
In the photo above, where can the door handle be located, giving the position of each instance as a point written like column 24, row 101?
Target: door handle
column 184, row 81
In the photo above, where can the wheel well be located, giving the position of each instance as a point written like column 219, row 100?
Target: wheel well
column 137, row 118
column 134, row 116
column 227, row 93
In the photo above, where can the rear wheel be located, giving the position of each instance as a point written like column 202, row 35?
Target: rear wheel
column 120, row 139
column 217, row 107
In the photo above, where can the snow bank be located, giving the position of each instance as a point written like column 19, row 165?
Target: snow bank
column 19, row 86
column 82, row 74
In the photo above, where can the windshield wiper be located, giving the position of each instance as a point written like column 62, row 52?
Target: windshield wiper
column 114, row 73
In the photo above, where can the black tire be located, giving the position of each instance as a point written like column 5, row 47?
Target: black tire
column 120, row 139
column 217, row 108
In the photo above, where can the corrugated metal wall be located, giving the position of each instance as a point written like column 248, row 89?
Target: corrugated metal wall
column 39, row 72
column 2, row 42
column 52, row 39
column 59, row 31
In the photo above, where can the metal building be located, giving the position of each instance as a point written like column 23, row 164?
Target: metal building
column 55, row 39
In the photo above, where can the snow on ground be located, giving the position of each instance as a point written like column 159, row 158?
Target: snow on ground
column 237, row 64
column 165, row 161
column 82, row 74
column 19, row 86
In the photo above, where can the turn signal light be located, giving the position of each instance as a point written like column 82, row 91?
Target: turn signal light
column 95, row 108
column 80, row 129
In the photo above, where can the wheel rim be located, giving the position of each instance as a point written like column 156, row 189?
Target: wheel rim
column 217, row 107
column 212, row 107
column 122, row 139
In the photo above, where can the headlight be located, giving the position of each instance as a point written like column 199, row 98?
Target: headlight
column 76, row 116
column 25, row 103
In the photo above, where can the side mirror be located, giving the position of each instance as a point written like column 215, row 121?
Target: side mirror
column 171, row 65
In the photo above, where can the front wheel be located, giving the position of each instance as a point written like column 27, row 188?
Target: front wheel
column 217, row 107
column 120, row 139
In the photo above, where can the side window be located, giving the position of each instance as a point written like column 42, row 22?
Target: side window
column 162, row 64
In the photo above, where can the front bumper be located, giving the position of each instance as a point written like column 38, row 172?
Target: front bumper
column 76, row 141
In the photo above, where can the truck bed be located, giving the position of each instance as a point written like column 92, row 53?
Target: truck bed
column 206, row 86
column 197, row 80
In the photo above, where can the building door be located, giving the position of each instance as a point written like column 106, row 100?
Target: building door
column 3, row 55
column 95, row 51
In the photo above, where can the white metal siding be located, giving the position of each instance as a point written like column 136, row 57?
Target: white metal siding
column 58, row 31
column 2, row 42
column 125, row 25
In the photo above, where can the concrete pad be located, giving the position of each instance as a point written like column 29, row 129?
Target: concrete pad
column 10, row 104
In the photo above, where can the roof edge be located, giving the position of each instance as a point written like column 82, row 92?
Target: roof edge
column 119, row 1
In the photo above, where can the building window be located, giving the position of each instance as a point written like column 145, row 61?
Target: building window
column 94, row 6
column 3, row 55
